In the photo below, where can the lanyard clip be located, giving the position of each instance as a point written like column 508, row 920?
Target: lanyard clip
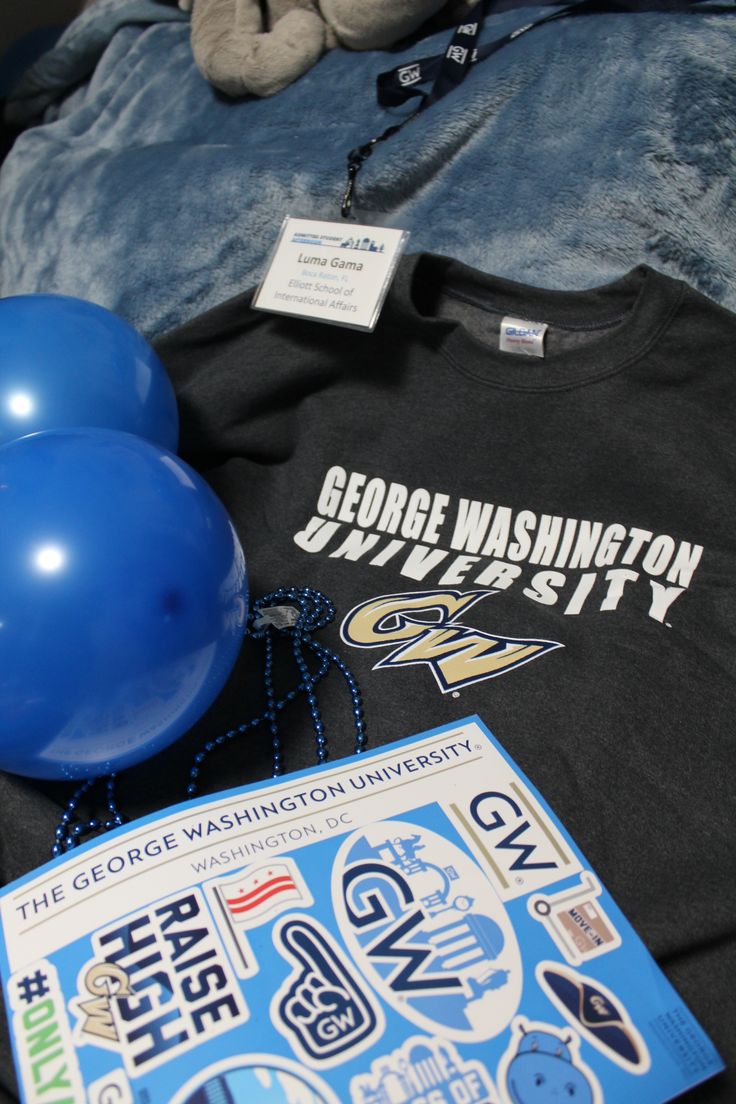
column 356, row 157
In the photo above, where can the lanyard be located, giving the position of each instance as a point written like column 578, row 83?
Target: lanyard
column 445, row 72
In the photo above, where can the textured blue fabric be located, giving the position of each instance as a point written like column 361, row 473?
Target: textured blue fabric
column 580, row 150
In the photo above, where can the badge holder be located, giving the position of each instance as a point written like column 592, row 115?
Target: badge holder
column 331, row 271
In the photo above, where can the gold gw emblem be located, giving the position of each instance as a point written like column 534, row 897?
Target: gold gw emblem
column 426, row 627
column 104, row 982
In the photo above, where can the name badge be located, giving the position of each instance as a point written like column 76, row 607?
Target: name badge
column 331, row 272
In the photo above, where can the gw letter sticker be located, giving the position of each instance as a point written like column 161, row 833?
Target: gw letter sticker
column 427, row 930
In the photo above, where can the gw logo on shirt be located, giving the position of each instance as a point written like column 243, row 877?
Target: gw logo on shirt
column 426, row 627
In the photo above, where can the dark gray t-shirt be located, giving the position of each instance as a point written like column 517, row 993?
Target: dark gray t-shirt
column 547, row 542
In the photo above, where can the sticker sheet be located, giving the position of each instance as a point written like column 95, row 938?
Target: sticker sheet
column 407, row 926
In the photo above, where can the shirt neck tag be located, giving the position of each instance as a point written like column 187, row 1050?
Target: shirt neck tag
column 331, row 271
column 518, row 335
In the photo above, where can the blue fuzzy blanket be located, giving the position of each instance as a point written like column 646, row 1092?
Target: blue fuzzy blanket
column 579, row 150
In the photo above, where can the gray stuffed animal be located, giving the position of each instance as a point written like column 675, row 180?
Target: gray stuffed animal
column 258, row 47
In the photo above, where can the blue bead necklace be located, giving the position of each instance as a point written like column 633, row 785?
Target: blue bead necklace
column 295, row 613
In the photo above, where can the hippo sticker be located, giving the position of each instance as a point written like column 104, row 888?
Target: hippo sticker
column 542, row 1066
column 427, row 930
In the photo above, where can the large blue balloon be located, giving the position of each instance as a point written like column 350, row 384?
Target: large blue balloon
column 123, row 600
column 68, row 362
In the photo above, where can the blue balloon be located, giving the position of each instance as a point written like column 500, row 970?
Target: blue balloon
column 123, row 601
column 67, row 362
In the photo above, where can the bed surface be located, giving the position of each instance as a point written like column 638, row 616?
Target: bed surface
column 583, row 148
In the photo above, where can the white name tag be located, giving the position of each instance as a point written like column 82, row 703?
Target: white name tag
column 331, row 271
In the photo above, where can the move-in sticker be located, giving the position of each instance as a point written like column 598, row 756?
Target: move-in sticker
column 576, row 920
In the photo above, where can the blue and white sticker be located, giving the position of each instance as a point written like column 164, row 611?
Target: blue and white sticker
column 424, row 1070
column 255, row 1079
column 597, row 1013
column 427, row 930
column 47, row 1060
column 322, row 1008
column 158, row 985
column 542, row 1065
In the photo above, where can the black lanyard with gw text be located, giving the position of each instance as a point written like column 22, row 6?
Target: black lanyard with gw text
column 445, row 72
